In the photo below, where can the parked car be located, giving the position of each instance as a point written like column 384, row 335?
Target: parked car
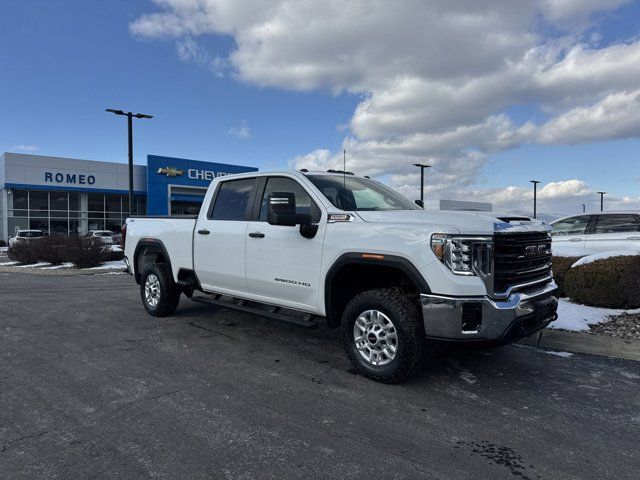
column 598, row 232
column 105, row 236
column 25, row 236
column 305, row 247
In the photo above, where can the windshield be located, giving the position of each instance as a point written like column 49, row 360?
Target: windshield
column 29, row 234
column 359, row 194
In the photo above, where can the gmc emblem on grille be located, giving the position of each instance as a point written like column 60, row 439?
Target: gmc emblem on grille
column 534, row 250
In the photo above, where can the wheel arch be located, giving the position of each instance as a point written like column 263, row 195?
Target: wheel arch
column 371, row 271
column 149, row 251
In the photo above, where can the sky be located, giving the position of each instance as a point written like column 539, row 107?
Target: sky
column 491, row 93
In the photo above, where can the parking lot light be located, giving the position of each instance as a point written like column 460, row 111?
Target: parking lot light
column 129, row 116
column 422, row 167
column 535, row 197
column 602, row 194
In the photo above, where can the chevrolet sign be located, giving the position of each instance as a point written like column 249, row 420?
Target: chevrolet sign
column 170, row 171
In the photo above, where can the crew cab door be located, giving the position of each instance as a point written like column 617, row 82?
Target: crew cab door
column 283, row 267
column 220, row 236
column 615, row 231
column 570, row 233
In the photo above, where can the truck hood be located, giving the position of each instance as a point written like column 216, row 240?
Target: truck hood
column 483, row 223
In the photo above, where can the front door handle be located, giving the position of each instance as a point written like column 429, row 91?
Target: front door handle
column 633, row 238
column 575, row 239
column 256, row 235
column 204, row 232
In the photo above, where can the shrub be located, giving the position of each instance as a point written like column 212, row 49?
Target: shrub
column 22, row 253
column 560, row 266
column 612, row 282
column 49, row 249
column 84, row 252
column 3, row 243
column 111, row 255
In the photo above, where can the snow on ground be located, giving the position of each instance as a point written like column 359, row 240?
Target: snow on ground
column 4, row 249
column 603, row 255
column 34, row 265
column 111, row 264
column 575, row 317
column 115, row 248
column 56, row 267
column 558, row 354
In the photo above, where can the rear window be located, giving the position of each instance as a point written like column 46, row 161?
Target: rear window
column 232, row 199
column 571, row 226
column 617, row 223
column 30, row 234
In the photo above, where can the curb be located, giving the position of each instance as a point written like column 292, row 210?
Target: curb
column 60, row 271
column 585, row 343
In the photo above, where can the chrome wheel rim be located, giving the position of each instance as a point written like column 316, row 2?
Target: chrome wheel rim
column 152, row 290
column 375, row 337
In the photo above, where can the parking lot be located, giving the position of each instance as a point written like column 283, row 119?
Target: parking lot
column 92, row 387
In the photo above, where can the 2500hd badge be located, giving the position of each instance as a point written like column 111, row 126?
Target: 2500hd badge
column 292, row 282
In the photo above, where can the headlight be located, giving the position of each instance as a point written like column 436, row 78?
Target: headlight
column 463, row 255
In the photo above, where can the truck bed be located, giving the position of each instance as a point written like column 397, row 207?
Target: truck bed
column 175, row 233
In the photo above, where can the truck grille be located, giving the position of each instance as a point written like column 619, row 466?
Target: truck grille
column 520, row 258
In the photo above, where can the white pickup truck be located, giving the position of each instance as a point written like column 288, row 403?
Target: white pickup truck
column 306, row 247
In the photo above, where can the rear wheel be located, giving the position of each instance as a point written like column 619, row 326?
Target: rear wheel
column 160, row 295
column 383, row 335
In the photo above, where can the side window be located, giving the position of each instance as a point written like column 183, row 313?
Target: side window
column 617, row 224
column 571, row 226
column 232, row 199
column 304, row 204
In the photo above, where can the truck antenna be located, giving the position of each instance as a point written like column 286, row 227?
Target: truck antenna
column 344, row 169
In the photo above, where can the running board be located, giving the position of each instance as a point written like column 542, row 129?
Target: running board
column 305, row 320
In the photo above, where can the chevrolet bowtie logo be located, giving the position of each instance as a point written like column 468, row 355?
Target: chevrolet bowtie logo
column 170, row 171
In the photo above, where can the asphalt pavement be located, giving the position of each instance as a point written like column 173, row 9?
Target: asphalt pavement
column 93, row 387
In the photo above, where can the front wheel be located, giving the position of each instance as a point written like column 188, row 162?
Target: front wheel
column 383, row 335
column 160, row 295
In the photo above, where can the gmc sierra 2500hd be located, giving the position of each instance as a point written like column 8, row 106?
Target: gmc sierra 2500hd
column 304, row 247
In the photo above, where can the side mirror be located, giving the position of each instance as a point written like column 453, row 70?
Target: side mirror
column 420, row 203
column 282, row 210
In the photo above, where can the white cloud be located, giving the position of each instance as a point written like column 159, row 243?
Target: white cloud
column 242, row 131
column 25, row 148
column 436, row 78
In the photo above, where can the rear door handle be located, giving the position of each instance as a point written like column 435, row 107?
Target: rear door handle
column 204, row 232
column 256, row 235
column 633, row 238
column 575, row 239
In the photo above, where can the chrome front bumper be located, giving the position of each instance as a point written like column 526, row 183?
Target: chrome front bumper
column 519, row 315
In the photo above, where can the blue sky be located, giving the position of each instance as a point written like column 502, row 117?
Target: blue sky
column 62, row 63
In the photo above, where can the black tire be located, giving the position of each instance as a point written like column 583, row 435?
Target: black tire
column 407, row 322
column 169, row 294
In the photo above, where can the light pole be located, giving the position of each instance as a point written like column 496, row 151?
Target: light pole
column 602, row 194
column 422, row 167
column 130, row 116
column 535, row 197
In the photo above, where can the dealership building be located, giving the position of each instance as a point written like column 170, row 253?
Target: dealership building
column 70, row 196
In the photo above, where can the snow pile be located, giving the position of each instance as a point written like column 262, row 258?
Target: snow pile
column 575, row 317
column 111, row 264
column 602, row 256
column 115, row 248
column 4, row 249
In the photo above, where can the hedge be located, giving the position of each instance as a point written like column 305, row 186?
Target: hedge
column 56, row 249
column 612, row 283
column 560, row 266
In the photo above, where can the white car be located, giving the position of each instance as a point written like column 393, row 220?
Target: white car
column 597, row 232
column 105, row 236
column 25, row 236
column 305, row 247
